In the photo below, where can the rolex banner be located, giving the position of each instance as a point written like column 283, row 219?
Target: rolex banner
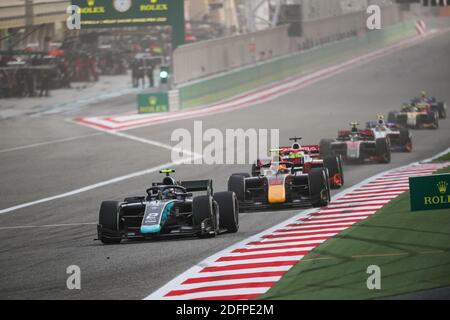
column 153, row 102
column 430, row 192
column 104, row 13
column 133, row 13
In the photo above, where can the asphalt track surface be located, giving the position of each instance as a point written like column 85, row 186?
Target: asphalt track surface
column 48, row 155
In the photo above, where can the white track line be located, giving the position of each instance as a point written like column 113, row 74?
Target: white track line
column 233, row 281
column 218, row 293
column 92, row 187
column 45, row 143
column 50, row 225
column 154, row 143
column 241, row 271
column 189, row 155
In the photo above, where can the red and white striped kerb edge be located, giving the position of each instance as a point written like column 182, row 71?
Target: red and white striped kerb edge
column 421, row 27
column 250, row 268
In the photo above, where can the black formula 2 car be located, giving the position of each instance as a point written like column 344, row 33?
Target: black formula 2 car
column 357, row 145
column 279, row 185
column 169, row 208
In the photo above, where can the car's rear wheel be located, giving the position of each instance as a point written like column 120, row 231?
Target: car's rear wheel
column 318, row 187
column 392, row 117
column 405, row 140
column 236, row 184
column 334, row 166
column 442, row 110
column 435, row 120
column 383, row 150
column 109, row 219
column 203, row 212
column 256, row 170
column 228, row 210
column 242, row 174
column 325, row 148
column 418, row 122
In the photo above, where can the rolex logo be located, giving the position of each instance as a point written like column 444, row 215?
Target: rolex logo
column 442, row 187
column 152, row 100
column 91, row 3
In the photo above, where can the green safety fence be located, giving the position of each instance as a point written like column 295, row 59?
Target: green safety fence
column 226, row 85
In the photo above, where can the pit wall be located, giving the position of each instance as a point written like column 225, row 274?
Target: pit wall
column 207, row 58
column 222, row 86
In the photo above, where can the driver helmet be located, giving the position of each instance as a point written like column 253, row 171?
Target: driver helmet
column 282, row 168
column 424, row 94
column 169, row 193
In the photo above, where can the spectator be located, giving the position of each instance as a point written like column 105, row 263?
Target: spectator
column 150, row 76
column 45, row 83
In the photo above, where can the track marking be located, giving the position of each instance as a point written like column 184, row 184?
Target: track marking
column 45, row 143
column 93, row 186
column 50, row 225
column 153, row 143
column 190, row 156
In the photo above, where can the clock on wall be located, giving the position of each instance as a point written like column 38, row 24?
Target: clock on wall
column 122, row 5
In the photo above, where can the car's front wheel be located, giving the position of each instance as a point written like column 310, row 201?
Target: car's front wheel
column 228, row 210
column 204, row 215
column 109, row 221
column 319, row 187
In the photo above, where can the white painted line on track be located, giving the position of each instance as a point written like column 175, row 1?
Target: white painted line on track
column 50, row 225
column 188, row 287
column 153, row 143
column 92, row 186
column 189, row 154
column 45, row 143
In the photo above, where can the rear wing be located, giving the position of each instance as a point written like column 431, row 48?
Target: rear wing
column 198, row 185
column 371, row 124
column 310, row 148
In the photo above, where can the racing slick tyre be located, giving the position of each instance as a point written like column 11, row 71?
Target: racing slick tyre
column 418, row 122
column 405, row 140
column 242, row 174
column 228, row 211
column 203, row 210
column 334, row 166
column 325, row 148
column 442, row 108
column 435, row 120
column 383, row 150
column 319, row 187
column 236, row 184
column 392, row 117
column 108, row 219
column 256, row 171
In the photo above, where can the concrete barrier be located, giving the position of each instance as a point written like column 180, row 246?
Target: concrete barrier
column 212, row 89
column 203, row 59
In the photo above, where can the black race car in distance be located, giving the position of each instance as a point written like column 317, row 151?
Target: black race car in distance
column 169, row 208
